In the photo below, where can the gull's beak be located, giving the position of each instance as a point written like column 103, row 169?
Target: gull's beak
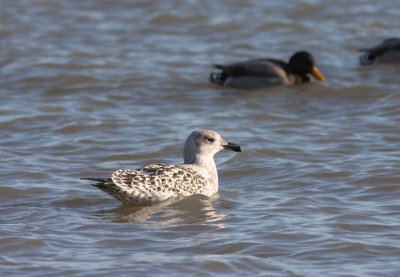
column 232, row 146
column 315, row 72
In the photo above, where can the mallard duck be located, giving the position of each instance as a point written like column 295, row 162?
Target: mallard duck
column 158, row 182
column 260, row 73
column 386, row 52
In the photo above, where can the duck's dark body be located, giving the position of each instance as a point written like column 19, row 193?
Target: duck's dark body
column 386, row 52
column 266, row 72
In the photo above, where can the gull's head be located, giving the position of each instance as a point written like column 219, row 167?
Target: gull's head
column 205, row 143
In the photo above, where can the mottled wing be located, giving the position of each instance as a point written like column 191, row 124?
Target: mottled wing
column 157, row 182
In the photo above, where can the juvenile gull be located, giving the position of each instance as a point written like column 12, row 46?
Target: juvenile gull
column 158, row 182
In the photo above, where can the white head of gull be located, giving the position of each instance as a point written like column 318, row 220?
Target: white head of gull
column 158, row 182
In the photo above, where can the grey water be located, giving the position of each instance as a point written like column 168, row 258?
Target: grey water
column 88, row 87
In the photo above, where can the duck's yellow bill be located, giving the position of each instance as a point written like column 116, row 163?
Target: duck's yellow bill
column 317, row 74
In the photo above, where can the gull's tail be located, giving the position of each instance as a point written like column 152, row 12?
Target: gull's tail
column 102, row 183
column 107, row 185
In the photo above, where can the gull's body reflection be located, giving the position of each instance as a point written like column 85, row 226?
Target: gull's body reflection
column 194, row 209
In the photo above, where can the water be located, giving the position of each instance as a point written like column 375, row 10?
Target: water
column 88, row 87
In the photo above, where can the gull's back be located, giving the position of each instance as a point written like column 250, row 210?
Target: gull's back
column 154, row 183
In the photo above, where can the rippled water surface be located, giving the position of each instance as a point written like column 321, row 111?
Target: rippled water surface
column 87, row 87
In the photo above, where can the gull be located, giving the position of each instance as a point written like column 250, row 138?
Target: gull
column 158, row 182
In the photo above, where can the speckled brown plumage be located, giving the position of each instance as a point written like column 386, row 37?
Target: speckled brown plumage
column 154, row 183
column 158, row 182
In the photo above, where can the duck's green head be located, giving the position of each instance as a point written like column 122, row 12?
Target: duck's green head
column 302, row 63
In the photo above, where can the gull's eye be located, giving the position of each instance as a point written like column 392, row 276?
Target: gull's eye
column 210, row 139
